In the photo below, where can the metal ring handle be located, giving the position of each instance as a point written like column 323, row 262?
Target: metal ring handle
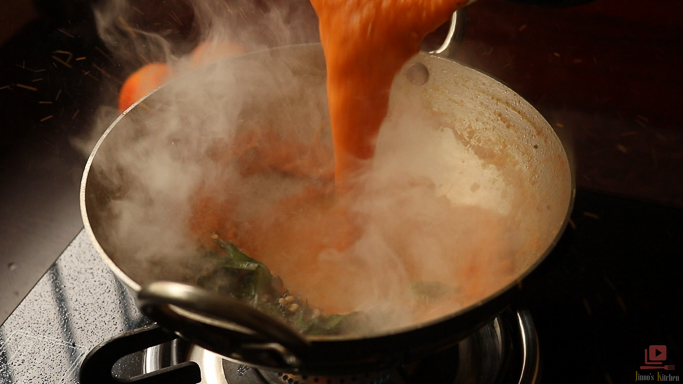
column 456, row 31
column 97, row 365
column 183, row 306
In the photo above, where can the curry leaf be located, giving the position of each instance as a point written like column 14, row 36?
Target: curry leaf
column 249, row 280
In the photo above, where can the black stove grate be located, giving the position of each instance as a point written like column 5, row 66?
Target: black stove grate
column 503, row 351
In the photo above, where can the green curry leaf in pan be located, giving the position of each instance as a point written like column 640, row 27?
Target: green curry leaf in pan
column 247, row 279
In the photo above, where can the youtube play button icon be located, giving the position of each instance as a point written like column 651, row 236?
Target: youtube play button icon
column 657, row 353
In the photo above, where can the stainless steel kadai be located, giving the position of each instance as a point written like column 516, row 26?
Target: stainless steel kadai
column 513, row 142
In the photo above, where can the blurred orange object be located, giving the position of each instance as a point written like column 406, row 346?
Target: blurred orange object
column 142, row 82
column 210, row 52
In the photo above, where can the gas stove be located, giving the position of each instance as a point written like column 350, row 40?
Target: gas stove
column 503, row 351
column 79, row 304
column 586, row 314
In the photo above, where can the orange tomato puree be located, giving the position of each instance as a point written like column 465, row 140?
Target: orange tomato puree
column 366, row 42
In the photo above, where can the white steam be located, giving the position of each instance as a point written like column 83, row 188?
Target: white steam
column 431, row 210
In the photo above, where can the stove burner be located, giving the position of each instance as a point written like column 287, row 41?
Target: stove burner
column 287, row 378
column 503, row 351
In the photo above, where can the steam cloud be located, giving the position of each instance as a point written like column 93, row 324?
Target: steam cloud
column 433, row 209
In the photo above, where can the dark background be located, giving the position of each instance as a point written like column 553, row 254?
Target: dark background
column 606, row 74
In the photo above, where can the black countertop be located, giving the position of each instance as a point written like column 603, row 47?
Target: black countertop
column 611, row 288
